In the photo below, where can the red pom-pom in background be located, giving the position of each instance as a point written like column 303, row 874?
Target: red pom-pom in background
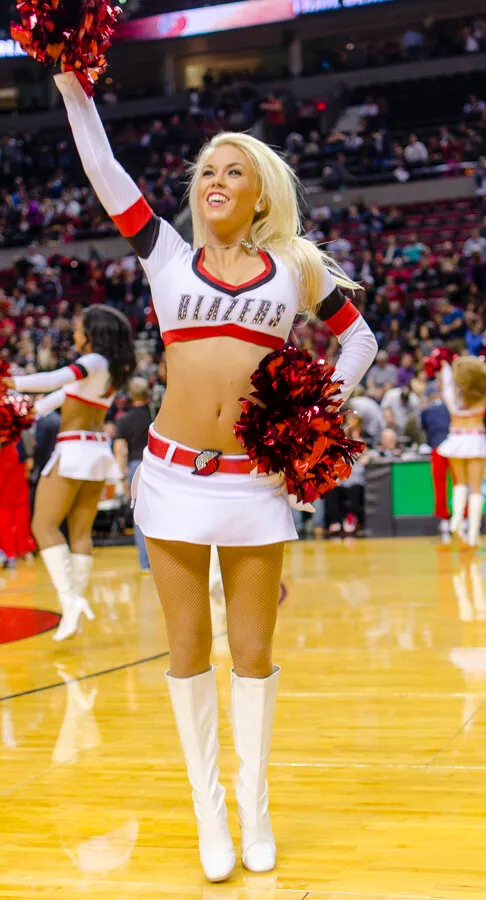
column 16, row 415
column 293, row 424
column 433, row 363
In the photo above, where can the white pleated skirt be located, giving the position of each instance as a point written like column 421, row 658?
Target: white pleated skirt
column 227, row 510
column 464, row 444
column 84, row 458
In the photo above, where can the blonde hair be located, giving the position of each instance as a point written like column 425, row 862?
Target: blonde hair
column 470, row 377
column 277, row 227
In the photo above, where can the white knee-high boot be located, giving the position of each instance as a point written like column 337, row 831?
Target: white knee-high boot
column 253, row 706
column 475, row 516
column 195, row 705
column 459, row 501
column 82, row 564
column 58, row 563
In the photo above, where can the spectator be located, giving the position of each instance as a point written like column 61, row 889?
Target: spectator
column 388, row 447
column 394, row 220
column 413, row 251
column 474, row 244
column 480, row 178
column 402, row 402
column 416, row 152
column 370, row 413
column 345, row 504
column 452, row 327
column 392, row 250
column 412, row 43
column 381, row 377
column 338, row 244
column 131, row 439
column 435, row 421
column 406, row 370
column 475, row 337
column 474, row 108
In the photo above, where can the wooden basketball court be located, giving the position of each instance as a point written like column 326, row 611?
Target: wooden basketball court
column 378, row 771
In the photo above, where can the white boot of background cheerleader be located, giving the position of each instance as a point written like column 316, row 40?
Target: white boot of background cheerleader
column 70, row 574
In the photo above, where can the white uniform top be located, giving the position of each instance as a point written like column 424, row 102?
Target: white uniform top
column 190, row 303
column 86, row 380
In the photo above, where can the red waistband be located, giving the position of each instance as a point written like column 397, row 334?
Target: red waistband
column 203, row 462
column 85, row 436
column 468, row 431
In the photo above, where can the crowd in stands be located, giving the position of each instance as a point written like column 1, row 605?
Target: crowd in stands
column 422, row 268
column 44, row 193
column 415, row 296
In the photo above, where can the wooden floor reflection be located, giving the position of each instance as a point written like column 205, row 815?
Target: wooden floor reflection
column 378, row 773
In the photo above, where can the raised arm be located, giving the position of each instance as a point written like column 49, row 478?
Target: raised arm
column 357, row 341
column 449, row 392
column 155, row 241
column 45, row 382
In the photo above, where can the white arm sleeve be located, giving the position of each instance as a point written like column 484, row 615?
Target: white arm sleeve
column 49, row 403
column 449, row 389
column 45, row 382
column 359, row 349
column 155, row 241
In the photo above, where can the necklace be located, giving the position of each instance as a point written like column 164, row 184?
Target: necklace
column 246, row 245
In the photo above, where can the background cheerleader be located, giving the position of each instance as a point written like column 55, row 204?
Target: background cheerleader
column 71, row 483
column 464, row 392
column 16, row 539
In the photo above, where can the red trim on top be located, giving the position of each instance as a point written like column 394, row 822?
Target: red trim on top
column 235, row 287
column 230, row 330
column 88, row 402
column 78, row 373
column 134, row 218
column 342, row 319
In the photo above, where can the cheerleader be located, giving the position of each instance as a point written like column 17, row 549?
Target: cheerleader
column 72, row 480
column 221, row 307
column 464, row 392
column 15, row 535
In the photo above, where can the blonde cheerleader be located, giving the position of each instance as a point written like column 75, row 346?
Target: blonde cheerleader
column 464, row 392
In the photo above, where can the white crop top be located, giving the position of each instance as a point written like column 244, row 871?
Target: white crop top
column 87, row 380
column 189, row 302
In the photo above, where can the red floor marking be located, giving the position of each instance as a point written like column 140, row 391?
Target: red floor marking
column 17, row 622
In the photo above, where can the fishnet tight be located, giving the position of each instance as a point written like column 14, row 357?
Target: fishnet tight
column 251, row 579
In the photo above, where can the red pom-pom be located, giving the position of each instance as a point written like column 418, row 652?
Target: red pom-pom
column 16, row 415
column 76, row 33
column 294, row 426
column 433, row 363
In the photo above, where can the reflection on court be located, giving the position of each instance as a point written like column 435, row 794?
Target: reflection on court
column 378, row 772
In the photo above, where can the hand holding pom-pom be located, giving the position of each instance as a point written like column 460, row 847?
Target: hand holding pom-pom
column 293, row 424
column 16, row 415
column 433, row 363
column 75, row 33
column 5, row 381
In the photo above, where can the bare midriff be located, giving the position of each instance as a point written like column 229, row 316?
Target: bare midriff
column 468, row 423
column 205, row 380
column 79, row 416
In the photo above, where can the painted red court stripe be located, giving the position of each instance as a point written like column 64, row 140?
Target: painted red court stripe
column 18, row 622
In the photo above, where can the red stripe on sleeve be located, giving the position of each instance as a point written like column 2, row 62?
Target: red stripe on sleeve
column 78, row 373
column 134, row 218
column 342, row 319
